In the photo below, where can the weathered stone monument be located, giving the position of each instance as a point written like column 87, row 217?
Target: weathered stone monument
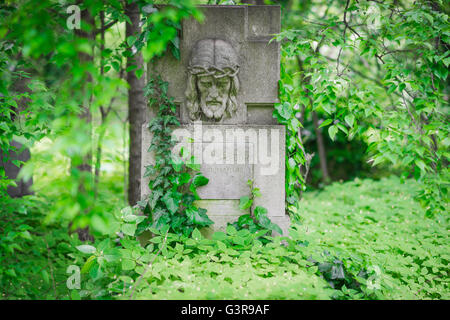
column 225, row 85
column 23, row 188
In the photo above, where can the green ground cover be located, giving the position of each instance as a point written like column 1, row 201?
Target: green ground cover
column 362, row 239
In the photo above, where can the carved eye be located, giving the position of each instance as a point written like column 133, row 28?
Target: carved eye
column 205, row 83
column 222, row 82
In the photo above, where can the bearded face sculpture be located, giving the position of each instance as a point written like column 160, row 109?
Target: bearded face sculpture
column 212, row 81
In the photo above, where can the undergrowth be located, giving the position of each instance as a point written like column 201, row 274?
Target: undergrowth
column 377, row 225
column 362, row 239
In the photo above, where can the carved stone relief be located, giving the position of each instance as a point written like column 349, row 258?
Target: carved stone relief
column 213, row 83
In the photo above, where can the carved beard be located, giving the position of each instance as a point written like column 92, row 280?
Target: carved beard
column 214, row 111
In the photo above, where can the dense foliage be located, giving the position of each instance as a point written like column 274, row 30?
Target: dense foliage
column 364, row 97
column 376, row 71
column 379, row 227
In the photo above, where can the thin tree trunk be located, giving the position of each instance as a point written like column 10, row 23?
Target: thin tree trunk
column 85, row 58
column 304, row 169
column 11, row 170
column 136, row 108
column 321, row 149
column 98, row 157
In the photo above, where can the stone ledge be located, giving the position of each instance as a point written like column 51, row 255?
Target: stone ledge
column 220, row 224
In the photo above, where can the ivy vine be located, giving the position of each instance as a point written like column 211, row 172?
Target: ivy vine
column 173, row 182
column 257, row 218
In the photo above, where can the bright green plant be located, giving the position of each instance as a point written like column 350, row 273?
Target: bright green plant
column 33, row 257
column 257, row 218
column 179, row 267
column 381, row 235
column 354, row 243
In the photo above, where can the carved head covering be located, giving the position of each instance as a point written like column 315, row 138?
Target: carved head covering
column 217, row 58
column 213, row 57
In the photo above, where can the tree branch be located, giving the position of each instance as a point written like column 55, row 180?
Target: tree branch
column 105, row 27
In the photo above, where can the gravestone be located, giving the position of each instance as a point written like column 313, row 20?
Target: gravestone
column 225, row 85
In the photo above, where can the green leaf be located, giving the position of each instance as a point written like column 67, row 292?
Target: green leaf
column 342, row 128
column 199, row 180
column 131, row 68
column 129, row 229
column 259, row 211
column 264, row 222
column 130, row 218
column 111, row 255
column 154, row 196
column 421, row 164
column 332, row 131
column 198, row 216
column 11, row 272
column 392, row 88
column 256, row 192
column 45, row 276
column 85, row 248
column 26, row 235
column 17, row 163
column 245, row 220
column 177, row 163
column 239, row 240
column 139, row 73
column 128, row 264
column 88, row 264
column 231, row 230
column 126, row 211
column 349, row 119
column 116, row 65
column 245, row 202
column 196, row 235
column 193, row 165
column 219, row 235
column 222, row 246
column 156, row 239
column 171, row 202
column 325, row 123
column 131, row 40
column 275, row 227
column 284, row 110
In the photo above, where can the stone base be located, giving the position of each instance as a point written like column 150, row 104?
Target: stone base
column 220, row 224
column 229, row 156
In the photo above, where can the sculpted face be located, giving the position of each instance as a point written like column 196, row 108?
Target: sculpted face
column 212, row 84
column 213, row 95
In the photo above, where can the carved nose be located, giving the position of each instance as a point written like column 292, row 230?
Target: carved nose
column 213, row 93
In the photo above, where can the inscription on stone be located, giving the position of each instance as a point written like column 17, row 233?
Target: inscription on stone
column 226, row 181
